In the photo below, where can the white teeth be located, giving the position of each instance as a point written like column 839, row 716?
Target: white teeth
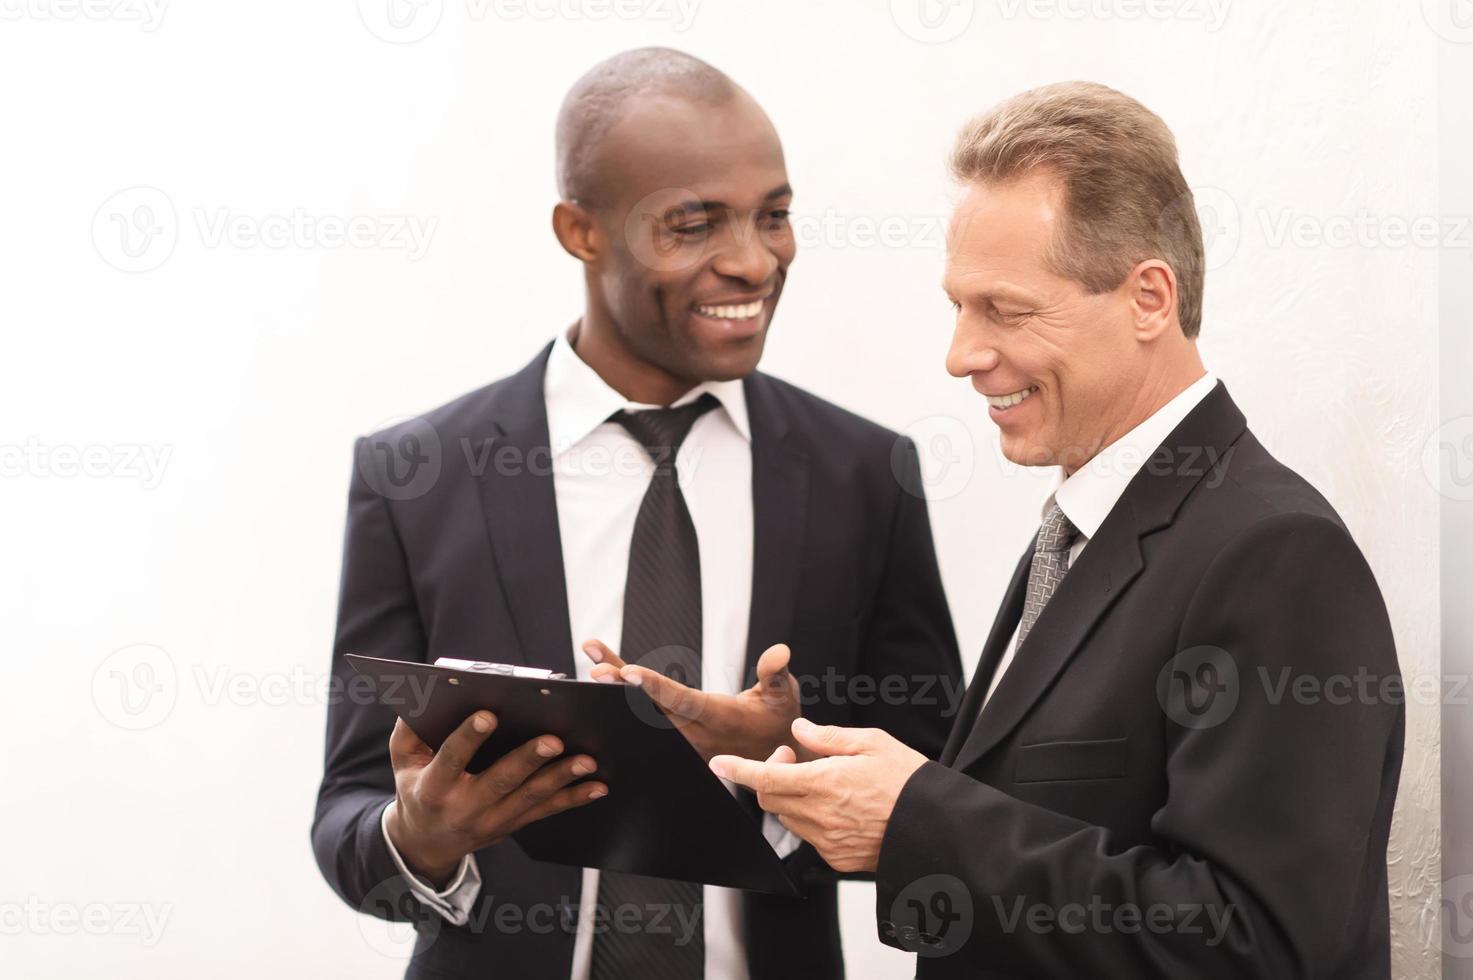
column 1008, row 401
column 745, row 312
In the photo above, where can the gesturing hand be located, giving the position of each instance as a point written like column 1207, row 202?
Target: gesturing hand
column 441, row 813
column 841, row 803
column 750, row 724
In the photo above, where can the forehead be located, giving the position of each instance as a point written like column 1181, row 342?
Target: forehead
column 1002, row 230
column 726, row 152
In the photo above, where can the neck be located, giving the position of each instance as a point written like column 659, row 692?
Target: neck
column 1151, row 394
column 598, row 344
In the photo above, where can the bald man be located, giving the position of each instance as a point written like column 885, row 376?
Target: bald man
column 650, row 495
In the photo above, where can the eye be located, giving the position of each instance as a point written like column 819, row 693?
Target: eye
column 1007, row 316
column 694, row 230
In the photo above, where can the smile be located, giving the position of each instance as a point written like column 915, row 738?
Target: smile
column 1008, row 401
column 744, row 312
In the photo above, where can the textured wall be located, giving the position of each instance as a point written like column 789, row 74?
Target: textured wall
column 252, row 365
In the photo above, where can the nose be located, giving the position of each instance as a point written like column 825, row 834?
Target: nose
column 970, row 352
column 745, row 256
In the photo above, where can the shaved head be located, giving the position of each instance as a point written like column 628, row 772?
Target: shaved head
column 600, row 99
column 675, row 198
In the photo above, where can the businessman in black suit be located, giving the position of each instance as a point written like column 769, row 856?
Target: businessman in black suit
column 639, row 482
column 1179, row 754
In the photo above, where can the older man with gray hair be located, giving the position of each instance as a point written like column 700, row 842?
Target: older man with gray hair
column 1168, row 763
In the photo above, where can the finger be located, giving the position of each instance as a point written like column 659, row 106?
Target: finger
column 673, row 696
column 502, row 778
column 764, row 778
column 564, row 799
column 542, row 785
column 773, row 680
column 407, row 748
column 598, row 651
column 783, row 755
column 455, row 753
column 605, row 674
column 832, row 739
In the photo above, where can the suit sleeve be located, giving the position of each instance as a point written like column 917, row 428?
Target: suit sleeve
column 377, row 617
column 1264, row 843
column 910, row 644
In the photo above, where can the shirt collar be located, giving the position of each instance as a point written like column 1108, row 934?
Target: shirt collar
column 1089, row 494
column 579, row 401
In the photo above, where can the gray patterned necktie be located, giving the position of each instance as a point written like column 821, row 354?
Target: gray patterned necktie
column 1046, row 571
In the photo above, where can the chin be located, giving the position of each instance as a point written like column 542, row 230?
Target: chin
column 733, row 362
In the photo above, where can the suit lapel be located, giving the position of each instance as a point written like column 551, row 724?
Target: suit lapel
column 779, row 522
column 520, row 507
column 992, row 652
column 1107, row 567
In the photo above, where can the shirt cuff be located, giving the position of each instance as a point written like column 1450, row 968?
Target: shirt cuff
column 783, row 840
column 454, row 901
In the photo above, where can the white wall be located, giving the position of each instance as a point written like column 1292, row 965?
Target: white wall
column 215, row 389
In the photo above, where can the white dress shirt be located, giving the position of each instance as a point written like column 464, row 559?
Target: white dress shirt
column 600, row 475
column 1089, row 494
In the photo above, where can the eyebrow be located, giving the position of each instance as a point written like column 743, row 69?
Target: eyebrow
column 697, row 207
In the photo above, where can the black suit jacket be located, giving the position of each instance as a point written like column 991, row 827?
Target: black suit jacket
column 1154, row 751
column 461, row 557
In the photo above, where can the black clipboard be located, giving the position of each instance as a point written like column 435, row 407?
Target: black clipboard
column 666, row 815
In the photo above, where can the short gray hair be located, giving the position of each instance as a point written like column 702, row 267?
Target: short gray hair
column 1125, row 198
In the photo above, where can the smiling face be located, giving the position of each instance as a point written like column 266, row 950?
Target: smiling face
column 695, row 233
column 1060, row 366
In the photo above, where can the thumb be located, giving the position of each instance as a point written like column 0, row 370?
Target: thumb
column 774, row 682
column 831, row 739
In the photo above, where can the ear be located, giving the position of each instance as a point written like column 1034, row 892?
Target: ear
column 576, row 231
column 1152, row 294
